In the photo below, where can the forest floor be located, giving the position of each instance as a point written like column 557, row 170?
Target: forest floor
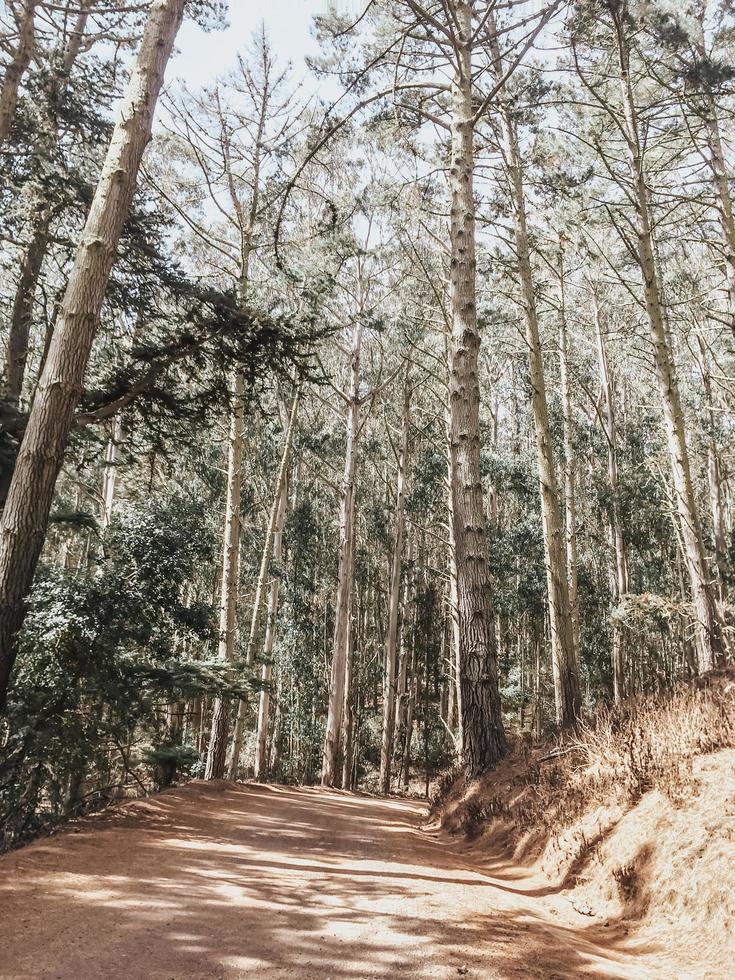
column 222, row 880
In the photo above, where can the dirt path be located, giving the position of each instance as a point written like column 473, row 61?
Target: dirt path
column 215, row 880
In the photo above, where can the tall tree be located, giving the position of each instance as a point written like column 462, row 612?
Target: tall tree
column 27, row 508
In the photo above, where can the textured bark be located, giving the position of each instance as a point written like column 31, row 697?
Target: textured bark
column 483, row 736
column 394, row 597
column 17, row 67
column 565, row 663
column 619, row 576
column 26, row 511
column 709, row 629
column 344, row 574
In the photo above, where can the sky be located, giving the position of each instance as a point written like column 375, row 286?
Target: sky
column 201, row 57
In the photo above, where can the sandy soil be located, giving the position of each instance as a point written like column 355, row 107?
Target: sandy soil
column 216, row 880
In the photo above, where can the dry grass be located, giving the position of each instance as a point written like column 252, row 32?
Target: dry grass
column 632, row 816
column 610, row 762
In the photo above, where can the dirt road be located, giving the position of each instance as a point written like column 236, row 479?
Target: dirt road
column 216, row 880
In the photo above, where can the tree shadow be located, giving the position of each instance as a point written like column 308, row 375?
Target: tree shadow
column 236, row 881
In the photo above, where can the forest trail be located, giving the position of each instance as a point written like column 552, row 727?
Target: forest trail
column 222, row 880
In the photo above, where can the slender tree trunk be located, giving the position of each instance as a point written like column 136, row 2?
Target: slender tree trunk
column 348, row 714
column 455, row 700
column 21, row 317
column 714, row 475
column 42, row 212
column 18, row 66
column 619, row 575
column 109, row 476
column 258, row 602
column 217, row 750
column 564, row 655
column 483, row 735
column 261, row 741
column 570, row 486
column 26, row 511
column 344, row 574
column 710, row 643
column 394, row 597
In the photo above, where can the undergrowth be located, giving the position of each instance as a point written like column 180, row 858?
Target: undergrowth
column 613, row 757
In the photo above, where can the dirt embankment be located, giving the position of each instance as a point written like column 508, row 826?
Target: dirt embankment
column 632, row 822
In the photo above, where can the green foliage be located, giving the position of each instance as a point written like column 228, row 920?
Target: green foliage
column 102, row 654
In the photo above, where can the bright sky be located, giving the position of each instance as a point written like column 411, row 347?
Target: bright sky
column 202, row 57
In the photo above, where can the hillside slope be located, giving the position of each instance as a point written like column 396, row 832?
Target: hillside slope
column 632, row 822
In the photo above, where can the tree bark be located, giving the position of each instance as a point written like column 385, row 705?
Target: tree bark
column 483, row 734
column 26, row 511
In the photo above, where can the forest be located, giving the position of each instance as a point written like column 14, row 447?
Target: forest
column 365, row 420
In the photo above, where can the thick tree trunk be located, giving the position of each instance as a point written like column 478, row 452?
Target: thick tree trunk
column 564, row 655
column 344, row 574
column 483, row 734
column 710, row 643
column 26, row 511
column 394, row 598
column 17, row 67
column 229, row 587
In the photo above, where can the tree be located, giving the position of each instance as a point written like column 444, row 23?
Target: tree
column 31, row 491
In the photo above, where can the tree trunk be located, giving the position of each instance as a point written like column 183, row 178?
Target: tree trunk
column 714, row 474
column 261, row 741
column 570, row 487
column 42, row 212
column 17, row 68
column 268, row 549
column 483, row 734
column 26, row 511
column 394, row 598
column 564, row 655
column 109, row 476
column 619, row 577
column 344, row 574
column 710, row 644
column 217, row 751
